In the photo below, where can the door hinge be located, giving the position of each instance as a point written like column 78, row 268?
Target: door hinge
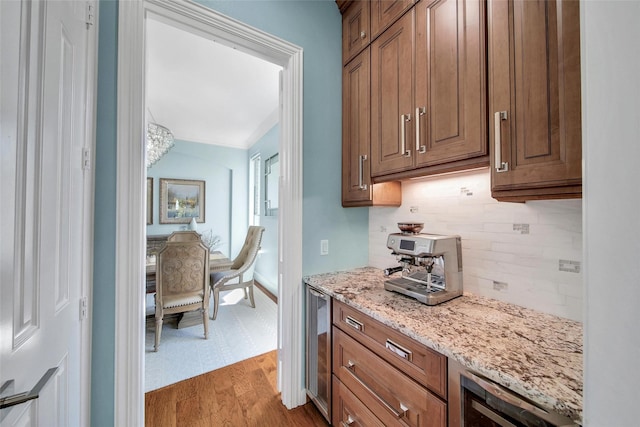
column 86, row 159
column 90, row 15
column 84, row 308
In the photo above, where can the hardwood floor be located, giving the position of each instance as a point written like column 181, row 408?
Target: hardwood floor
column 242, row 394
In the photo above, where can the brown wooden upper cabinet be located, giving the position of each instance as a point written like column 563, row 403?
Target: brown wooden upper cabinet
column 428, row 91
column 385, row 12
column 357, row 189
column 534, row 99
column 356, row 29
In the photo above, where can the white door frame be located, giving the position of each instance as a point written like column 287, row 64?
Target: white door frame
column 130, row 232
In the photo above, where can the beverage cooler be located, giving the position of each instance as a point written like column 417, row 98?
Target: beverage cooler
column 318, row 379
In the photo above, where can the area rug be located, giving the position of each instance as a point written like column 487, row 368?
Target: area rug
column 239, row 332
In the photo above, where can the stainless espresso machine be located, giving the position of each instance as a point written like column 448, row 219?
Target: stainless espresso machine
column 431, row 266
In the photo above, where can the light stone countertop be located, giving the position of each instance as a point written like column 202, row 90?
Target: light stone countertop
column 536, row 355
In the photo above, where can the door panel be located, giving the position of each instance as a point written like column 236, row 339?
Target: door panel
column 392, row 98
column 534, row 54
column 356, row 129
column 450, row 81
column 44, row 229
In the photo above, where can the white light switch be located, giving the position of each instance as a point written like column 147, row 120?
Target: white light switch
column 324, row 247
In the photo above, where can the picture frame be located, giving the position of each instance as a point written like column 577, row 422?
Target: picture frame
column 181, row 200
column 149, row 201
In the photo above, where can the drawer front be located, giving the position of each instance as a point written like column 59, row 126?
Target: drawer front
column 392, row 397
column 419, row 362
column 348, row 411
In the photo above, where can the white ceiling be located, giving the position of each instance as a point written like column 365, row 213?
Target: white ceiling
column 206, row 92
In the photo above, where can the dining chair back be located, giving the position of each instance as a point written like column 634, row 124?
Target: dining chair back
column 182, row 279
column 240, row 275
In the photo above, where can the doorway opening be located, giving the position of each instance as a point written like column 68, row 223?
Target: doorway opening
column 221, row 105
column 129, row 363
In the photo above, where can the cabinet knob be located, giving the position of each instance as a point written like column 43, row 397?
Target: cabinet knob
column 363, row 35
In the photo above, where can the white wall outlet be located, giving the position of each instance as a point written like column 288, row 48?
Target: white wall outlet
column 324, row 247
column 414, row 209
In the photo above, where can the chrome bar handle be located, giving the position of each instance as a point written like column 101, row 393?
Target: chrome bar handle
column 420, row 111
column 361, row 184
column 399, row 350
column 354, row 323
column 348, row 422
column 498, row 117
column 404, row 118
column 397, row 413
column 19, row 398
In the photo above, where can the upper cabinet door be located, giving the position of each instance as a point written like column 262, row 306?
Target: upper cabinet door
column 385, row 12
column 392, row 98
column 356, row 29
column 534, row 99
column 450, row 117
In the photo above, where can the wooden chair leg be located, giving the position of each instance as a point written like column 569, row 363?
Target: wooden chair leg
column 205, row 321
column 245, row 292
column 251, row 300
column 216, row 297
column 158, row 332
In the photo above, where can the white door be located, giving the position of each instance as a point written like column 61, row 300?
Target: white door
column 45, row 194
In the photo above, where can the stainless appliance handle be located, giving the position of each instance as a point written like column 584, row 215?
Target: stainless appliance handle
column 491, row 415
column 317, row 294
column 420, row 111
column 403, row 134
column 361, row 184
column 508, row 396
column 398, row 414
column 498, row 117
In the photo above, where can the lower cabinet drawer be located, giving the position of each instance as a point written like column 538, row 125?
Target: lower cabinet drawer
column 393, row 397
column 414, row 359
column 348, row 411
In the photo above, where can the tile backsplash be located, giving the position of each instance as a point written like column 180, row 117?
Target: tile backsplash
column 529, row 254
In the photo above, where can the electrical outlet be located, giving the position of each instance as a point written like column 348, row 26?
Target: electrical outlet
column 324, row 247
column 414, row 209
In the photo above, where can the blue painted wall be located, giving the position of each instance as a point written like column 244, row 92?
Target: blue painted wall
column 316, row 27
column 104, row 295
column 225, row 172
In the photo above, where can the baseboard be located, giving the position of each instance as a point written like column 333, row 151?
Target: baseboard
column 267, row 292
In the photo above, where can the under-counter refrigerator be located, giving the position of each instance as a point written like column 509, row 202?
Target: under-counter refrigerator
column 318, row 381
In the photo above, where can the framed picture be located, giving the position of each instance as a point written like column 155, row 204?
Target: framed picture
column 149, row 201
column 181, row 200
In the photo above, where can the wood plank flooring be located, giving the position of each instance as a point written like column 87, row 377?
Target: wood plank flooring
column 242, row 394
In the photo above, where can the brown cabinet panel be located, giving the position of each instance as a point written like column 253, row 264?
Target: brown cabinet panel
column 385, row 12
column 348, row 410
column 356, row 30
column 419, row 362
column 391, row 396
column 392, row 98
column 450, row 98
column 357, row 189
column 534, row 98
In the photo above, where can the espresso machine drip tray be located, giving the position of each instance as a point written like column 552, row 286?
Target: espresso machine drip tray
column 430, row 295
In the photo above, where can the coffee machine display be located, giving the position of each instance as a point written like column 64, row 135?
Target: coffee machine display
column 431, row 266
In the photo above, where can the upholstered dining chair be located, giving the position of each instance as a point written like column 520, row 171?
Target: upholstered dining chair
column 240, row 275
column 182, row 279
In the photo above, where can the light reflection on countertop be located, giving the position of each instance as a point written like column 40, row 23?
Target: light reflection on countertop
column 537, row 355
